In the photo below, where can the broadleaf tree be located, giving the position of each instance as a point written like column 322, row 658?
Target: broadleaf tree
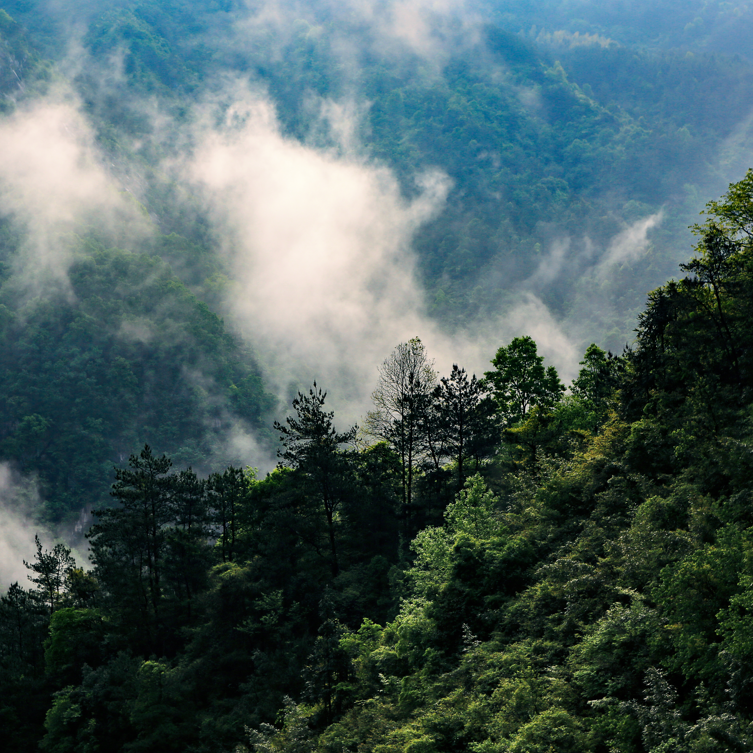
column 520, row 381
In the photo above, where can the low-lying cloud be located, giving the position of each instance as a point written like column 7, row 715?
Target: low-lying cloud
column 629, row 245
column 19, row 498
column 427, row 28
column 320, row 246
column 53, row 182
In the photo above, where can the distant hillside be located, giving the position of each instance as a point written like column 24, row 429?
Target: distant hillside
column 548, row 138
column 577, row 153
column 490, row 566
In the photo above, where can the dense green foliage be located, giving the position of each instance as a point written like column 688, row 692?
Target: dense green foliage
column 22, row 69
column 716, row 26
column 546, row 138
column 552, row 140
column 588, row 589
column 126, row 354
column 494, row 565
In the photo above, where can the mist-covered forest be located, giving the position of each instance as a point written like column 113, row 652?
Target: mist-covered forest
column 376, row 376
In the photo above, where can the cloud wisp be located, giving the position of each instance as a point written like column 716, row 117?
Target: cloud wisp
column 629, row 245
column 19, row 498
column 320, row 247
column 53, row 181
column 428, row 29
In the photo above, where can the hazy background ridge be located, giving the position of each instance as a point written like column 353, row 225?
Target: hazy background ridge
column 205, row 208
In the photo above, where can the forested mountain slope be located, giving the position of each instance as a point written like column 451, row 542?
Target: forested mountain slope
column 204, row 205
column 568, row 167
column 553, row 140
column 128, row 353
column 577, row 578
column 716, row 27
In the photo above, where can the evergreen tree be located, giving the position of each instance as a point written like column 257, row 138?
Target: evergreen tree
column 228, row 493
column 311, row 447
column 187, row 540
column 129, row 545
column 464, row 418
column 51, row 570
